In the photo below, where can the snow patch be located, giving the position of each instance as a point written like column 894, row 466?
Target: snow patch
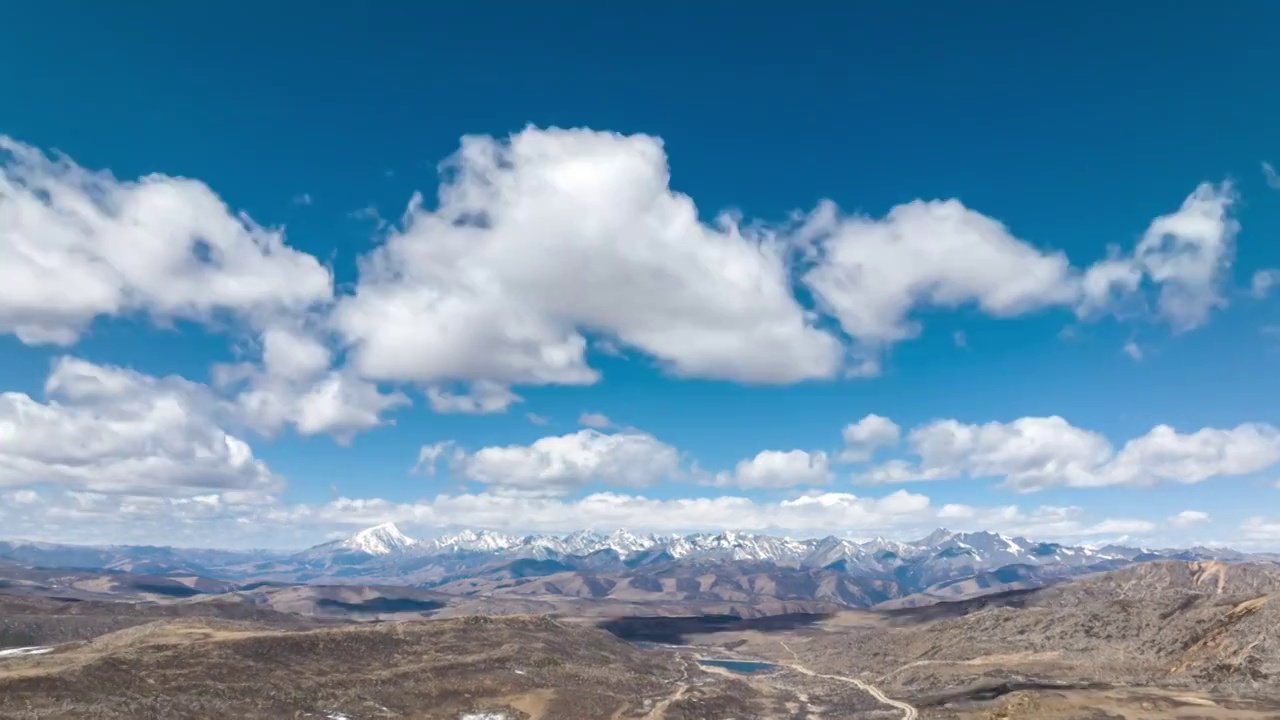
column 384, row 539
column 19, row 651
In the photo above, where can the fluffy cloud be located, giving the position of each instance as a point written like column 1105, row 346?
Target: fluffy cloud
column 872, row 273
column 1028, row 452
column 777, row 469
column 1189, row 518
column 1270, row 175
column 612, row 510
column 253, row 520
column 1034, row 453
column 114, row 430
column 77, row 244
column 556, row 234
column 863, row 438
column 484, row 398
column 1109, row 285
column 1164, row 454
column 554, row 466
column 294, row 385
column 1188, row 253
column 540, row 245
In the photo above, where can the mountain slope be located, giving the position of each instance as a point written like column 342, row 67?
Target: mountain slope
column 1209, row 621
column 722, row 567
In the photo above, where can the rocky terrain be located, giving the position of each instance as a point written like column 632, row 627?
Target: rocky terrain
column 478, row 668
column 1157, row 640
column 1171, row 639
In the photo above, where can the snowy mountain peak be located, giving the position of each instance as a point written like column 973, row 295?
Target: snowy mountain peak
column 624, row 542
column 483, row 540
column 936, row 537
column 941, row 554
column 383, row 539
column 881, row 544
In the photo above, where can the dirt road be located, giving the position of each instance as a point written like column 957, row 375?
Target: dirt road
column 909, row 712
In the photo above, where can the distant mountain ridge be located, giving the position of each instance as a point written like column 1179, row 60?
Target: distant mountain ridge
column 942, row 565
column 753, row 569
column 984, row 548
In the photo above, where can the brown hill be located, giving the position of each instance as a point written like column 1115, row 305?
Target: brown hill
column 513, row 668
column 719, row 583
column 1195, row 626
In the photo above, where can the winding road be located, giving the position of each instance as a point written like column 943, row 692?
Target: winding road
column 909, row 712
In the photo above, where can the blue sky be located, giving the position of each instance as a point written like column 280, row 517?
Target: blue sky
column 1038, row 143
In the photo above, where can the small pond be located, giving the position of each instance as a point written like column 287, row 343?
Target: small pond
column 742, row 667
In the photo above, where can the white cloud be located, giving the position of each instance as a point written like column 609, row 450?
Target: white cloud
column 1188, row 254
column 1272, row 178
column 483, row 398
column 429, row 456
column 291, row 354
column 548, row 243
column 872, row 274
column 555, row 234
column 341, row 405
column 863, row 438
column 294, row 386
column 1164, row 454
column 1121, row 527
column 113, row 430
column 1188, row 518
column 537, row 419
column 773, row 469
column 77, row 244
column 251, row 519
column 594, row 420
column 1108, row 284
column 1034, row 453
column 1262, row 530
column 1263, row 281
column 1133, row 350
column 1028, row 452
column 555, row 466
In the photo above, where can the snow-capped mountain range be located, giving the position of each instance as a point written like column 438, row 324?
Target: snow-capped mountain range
column 751, row 571
column 980, row 550
column 866, row 571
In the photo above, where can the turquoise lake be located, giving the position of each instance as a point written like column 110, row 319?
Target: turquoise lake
column 744, row 667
